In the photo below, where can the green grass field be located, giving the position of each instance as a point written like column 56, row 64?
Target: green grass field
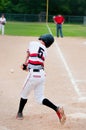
column 36, row 29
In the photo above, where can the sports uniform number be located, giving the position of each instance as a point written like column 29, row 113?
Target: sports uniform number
column 40, row 52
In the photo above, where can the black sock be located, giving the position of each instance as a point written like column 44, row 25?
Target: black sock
column 22, row 104
column 49, row 104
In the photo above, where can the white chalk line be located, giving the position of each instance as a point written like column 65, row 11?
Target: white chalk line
column 73, row 81
column 81, row 81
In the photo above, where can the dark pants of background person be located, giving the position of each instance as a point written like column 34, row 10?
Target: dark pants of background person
column 59, row 30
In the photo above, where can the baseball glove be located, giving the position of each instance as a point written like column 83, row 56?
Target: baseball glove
column 3, row 23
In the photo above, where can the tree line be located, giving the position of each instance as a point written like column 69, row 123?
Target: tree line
column 65, row 7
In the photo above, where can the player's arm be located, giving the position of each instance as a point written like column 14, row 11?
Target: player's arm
column 24, row 65
column 3, row 23
column 63, row 19
column 55, row 19
column 27, row 57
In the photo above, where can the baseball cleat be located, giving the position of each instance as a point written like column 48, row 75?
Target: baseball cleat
column 61, row 115
column 19, row 116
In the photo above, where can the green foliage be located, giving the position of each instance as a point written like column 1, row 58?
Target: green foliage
column 78, row 7
column 65, row 7
column 4, row 5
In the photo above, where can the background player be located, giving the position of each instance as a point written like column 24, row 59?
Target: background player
column 59, row 20
column 34, row 63
column 2, row 23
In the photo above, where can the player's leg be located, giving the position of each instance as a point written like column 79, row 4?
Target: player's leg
column 59, row 111
column 39, row 95
column 61, row 34
column 21, row 107
column 57, row 30
column 2, row 29
column 24, row 96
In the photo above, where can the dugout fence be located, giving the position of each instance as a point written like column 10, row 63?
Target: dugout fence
column 42, row 18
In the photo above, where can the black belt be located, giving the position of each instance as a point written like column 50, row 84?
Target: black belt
column 37, row 70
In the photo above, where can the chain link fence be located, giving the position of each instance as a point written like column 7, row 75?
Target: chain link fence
column 42, row 18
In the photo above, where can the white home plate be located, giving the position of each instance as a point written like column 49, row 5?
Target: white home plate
column 78, row 115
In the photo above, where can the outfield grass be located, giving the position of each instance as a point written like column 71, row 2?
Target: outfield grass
column 37, row 29
column 25, row 29
column 73, row 30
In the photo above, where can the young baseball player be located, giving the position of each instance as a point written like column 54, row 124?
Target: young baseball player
column 2, row 23
column 34, row 63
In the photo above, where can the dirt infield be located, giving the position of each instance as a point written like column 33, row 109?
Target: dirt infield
column 65, row 67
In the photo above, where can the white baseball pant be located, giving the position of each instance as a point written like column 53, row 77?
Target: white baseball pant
column 34, row 81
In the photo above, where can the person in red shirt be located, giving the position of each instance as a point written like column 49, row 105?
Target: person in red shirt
column 59, row 20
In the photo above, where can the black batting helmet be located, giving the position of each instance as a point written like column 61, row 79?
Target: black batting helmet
column 48, row 39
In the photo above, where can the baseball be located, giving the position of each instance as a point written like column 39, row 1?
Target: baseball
column 12, row 70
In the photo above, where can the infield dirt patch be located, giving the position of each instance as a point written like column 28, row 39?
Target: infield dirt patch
column 58, row 89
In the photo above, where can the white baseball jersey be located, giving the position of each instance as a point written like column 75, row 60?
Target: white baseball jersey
column 2, row 20
column 35, row 80
column 37, row 55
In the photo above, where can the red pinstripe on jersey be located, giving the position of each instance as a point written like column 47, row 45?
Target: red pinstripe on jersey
column 36, row 55
column 36, row 62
